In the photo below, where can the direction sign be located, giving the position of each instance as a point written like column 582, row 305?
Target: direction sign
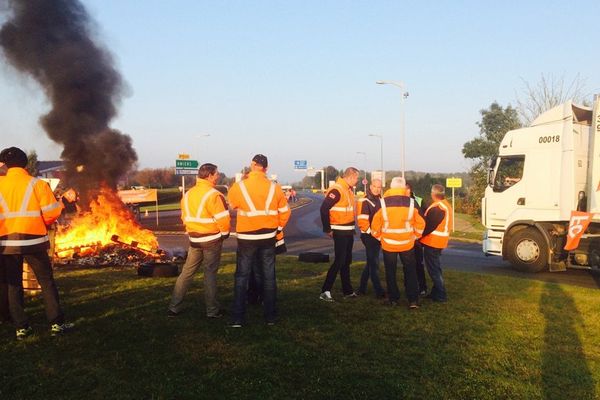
column 184, row 171
column 300, row 164
column 453, row 182
column 186, row 164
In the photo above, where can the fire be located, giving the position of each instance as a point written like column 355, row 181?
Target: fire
column 107, row 222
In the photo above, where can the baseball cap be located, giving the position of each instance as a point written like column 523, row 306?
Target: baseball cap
column 261, row 160
column 13, row 157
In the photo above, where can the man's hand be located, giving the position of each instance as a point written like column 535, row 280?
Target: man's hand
column 330, row 234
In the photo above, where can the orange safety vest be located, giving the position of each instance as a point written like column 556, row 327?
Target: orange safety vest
column 204, row 213
column 440, row 236
column 397, row 223
column 365, row 209
column 27, row 206
column 341, row 215
column 262, row 209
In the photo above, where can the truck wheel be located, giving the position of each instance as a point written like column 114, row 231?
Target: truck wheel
column 528, row 251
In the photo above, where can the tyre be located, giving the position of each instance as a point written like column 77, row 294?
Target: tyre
column 313, row 257
column 527, row 251
column 162, row 270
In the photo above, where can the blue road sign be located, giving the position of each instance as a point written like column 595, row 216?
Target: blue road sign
column 300, row 164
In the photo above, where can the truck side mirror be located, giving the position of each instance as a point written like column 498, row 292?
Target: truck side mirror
column 490, row 180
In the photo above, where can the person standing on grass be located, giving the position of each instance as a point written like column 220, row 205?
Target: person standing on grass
column 367, row 207
column 418, row 249
column 438, row 219
column 397, row 224
column 206, row 217
column 27, row 208
column 337, row 217
column 262, row 213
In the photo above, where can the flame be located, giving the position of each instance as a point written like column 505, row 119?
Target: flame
column 91, row 230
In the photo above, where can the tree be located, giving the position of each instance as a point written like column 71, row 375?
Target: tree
column 548, row 93
column 32, row 163
column 495, row 122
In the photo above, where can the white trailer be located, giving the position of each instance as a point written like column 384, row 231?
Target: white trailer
column 541, row 174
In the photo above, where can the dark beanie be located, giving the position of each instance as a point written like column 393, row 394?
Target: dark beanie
column 13, row 157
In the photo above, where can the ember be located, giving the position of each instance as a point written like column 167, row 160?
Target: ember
column 107, row 232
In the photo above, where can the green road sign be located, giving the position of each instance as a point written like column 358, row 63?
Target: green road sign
column 192, row 164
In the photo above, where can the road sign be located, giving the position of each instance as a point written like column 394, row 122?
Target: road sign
column 184, row 156
column 184, row 171
column 453, row 182
column 364, row 181
column 186, row 164
column 300, row 164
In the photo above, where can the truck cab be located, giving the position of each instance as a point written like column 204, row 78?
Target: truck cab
column 541, row 174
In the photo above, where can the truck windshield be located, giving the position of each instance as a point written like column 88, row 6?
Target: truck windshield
column 509, row 173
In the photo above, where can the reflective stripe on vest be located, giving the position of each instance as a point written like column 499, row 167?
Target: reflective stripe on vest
column 203, row 239
column 22, row 212
column 24, row 242
column 197, row 218
column 445, row 232
column 253, row 211
column 386, row 222
column 256, row 236
column 343, row 227
column 343, row 193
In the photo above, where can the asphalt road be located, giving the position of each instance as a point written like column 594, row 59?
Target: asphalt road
column 303, row 233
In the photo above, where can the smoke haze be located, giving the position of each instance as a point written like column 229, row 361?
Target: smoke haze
column 52, row 41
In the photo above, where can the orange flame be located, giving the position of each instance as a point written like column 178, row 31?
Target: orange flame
column 91, row 230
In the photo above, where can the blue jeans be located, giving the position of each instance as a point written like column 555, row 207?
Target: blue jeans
column 372, row 247
column 247, row 253
column 210, row 254
column 432, row 262
column 342, row 248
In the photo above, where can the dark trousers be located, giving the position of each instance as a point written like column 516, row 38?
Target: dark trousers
column 372, row 247
column 42, row 268
column 434, row 267
column 4, row 313
column 342, row 247
column 390, row 259
column 247, row 252
column 255, row 284
column 418, row 249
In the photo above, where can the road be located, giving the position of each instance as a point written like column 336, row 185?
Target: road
column 303, row 233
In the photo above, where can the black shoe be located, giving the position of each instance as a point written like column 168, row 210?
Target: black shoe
column 391, row 303
column 215, row 316
column 172, row 314
column 235, row 324
column 271, row 323
column 350, row 296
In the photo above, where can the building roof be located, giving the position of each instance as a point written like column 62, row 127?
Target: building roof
column 47, row 166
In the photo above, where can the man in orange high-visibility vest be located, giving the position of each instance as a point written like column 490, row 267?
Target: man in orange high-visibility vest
column 206, row 217
column 438, row 219
column 397, row 224
column 337, row 217
column 27, row 207
column 262, row 213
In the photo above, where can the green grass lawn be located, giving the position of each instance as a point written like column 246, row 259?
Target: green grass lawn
column 497, row 338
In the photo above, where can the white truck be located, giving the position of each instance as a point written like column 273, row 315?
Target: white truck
column 541, row 174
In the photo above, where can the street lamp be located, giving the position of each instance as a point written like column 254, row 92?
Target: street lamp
column 380, row 157
column 365, row 165
column 402, row 88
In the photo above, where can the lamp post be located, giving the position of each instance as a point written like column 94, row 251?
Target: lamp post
column 403, row 97
column 380, row 137
column 365, row 165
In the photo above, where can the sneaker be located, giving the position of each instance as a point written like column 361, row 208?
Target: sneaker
column 172, row 314
column 270, row 323
column 59, row 329
column 413, row 305
column 217, row 315
column 351, row 295
column 423, row 292
column 235, row 324
column 326, row 296
column 24, row 333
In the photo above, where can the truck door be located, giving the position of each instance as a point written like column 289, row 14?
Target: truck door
column 509, row 190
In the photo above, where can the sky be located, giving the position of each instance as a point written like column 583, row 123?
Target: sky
column 295, row 80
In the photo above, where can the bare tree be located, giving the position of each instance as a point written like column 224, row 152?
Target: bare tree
column 547, row 93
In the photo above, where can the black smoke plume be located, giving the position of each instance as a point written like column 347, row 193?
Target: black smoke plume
column 53, row 41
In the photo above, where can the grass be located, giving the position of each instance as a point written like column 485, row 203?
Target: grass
column 497, row 338
column 467, row 227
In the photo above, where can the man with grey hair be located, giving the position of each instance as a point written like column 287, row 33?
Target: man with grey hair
column 337, row 216
column 397, row 223
column 438, row 219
